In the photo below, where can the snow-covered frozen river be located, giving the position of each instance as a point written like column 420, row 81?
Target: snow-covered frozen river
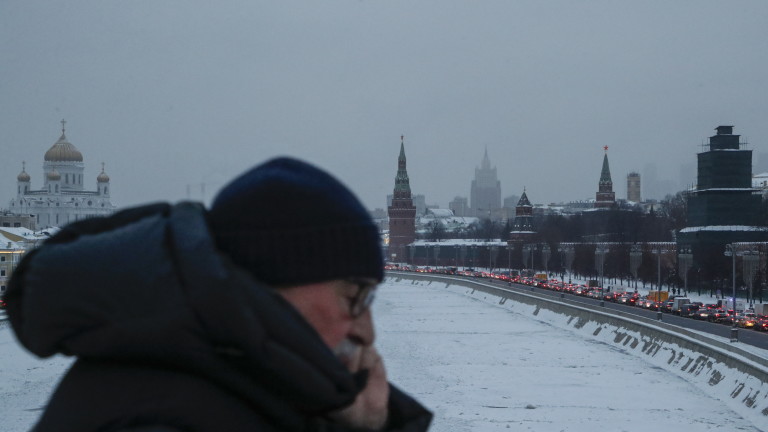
column 484, row 368
column 478, row 367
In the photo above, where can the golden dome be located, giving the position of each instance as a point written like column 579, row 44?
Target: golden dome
column 63, row 151
column 103, row 177
column 23, row 176
column 54, row 175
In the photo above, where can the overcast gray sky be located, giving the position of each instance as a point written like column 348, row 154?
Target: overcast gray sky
column 176, row 93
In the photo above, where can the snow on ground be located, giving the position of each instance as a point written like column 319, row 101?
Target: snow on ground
column 478, row 366
column 25, row 383
column 485, row 368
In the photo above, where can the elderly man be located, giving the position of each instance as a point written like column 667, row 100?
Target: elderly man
column 253, row 316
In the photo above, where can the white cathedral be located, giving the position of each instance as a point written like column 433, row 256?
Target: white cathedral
column 62, row 199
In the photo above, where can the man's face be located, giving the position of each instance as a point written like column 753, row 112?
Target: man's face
column 337, row 311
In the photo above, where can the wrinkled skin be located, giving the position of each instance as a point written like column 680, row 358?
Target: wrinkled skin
column 326, row 306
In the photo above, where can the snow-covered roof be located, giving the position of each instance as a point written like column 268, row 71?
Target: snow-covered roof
column 726, row 189
column 448, row 222
column 20, row 234
column 441, row 213
column 723, row 228
column 18, row 231
column 460, row 242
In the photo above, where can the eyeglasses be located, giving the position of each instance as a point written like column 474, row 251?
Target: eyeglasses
column 366, row 292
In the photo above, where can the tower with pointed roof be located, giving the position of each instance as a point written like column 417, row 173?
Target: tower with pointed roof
column 63, row 198
column 485, row 194
column 605, row 198
column 402, row 212
column 522, row 228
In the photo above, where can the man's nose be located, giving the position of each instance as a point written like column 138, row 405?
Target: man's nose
column 362, row 329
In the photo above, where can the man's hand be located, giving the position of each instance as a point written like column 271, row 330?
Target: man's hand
column 369, row 411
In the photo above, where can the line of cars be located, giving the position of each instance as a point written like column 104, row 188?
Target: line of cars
column 714, row 313
column 677, row 305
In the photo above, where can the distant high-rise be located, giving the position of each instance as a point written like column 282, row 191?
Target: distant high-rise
column 511, row 201
column 651, row 187
column 485, row 195
column 605, row 197
column 633, row 187
column 402, row 212
column 459, row 206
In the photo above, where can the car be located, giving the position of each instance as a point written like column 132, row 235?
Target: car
column 703, row 314
column 2, row 303
column 745, row 321
column 762, row 323
column 718, row 315
column 689, row 310
column 727, row 319
column 628, row 299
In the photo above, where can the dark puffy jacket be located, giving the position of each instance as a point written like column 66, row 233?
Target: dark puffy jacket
column 170, row 335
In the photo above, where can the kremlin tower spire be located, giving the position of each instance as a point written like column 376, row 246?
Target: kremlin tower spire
column 605, row 197
column 402, row 184
column 402, row 212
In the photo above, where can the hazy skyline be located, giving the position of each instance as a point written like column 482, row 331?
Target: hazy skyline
column 172, row 95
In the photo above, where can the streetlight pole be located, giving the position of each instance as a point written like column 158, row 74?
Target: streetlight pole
column 750, row 263
column 456, row 256
column 731, row 251
column 528, row 250
column 658, row 250
column 635, row 258
column 600, row 250
column 685, row 257
column 509, row 261
column 570, row 252
column 490, row 263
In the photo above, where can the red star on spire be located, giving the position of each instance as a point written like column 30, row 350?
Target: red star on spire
column 605, row 148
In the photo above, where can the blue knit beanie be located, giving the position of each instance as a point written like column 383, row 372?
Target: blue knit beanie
column 290, row 223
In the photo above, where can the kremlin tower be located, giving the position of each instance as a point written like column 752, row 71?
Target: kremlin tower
column 605, row 198
column 402, row 212
column 522, row 228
